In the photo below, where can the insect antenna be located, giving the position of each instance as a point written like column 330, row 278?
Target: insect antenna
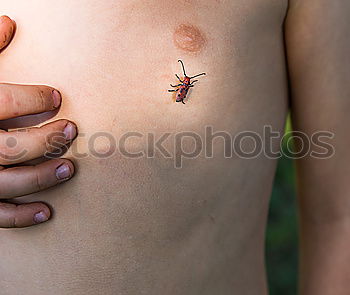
column 183, row 67
column 198, row 75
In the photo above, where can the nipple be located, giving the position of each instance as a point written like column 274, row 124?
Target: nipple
column 189, row 38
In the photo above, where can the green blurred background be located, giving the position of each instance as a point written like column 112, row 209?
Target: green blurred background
column 281, row 236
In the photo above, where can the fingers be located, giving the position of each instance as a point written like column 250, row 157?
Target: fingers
column 7, row 29
column 21, row 181
column 23, row 145
column 20, row 100
column 12, row 215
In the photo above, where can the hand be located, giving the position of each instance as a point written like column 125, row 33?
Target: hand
column 20, row 146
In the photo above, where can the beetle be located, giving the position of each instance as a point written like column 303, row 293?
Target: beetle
column 184, row 86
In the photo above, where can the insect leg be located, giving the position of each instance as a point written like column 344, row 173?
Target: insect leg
column 175, row 85
column 173, row 90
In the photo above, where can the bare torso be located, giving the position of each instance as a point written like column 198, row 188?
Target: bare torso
column 142, row 226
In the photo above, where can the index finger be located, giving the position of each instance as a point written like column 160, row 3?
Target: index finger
column 21, row 100
column 7, row 29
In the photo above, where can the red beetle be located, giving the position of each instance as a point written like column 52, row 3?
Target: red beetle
column 184, row 86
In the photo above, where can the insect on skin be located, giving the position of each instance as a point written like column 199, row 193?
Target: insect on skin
column 184, row 86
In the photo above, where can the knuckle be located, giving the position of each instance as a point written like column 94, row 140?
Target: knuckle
column 38, row 182
column 42, row 101
column 11, row 215
column 12, row 221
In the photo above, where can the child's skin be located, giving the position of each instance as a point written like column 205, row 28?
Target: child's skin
column 140, row 226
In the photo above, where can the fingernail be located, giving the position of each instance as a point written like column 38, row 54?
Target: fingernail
column 40, row 217
column 56, row 96
column 70, row 131
column 14, row 25
column 63, row 172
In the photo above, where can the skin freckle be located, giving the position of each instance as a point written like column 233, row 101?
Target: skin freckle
column 189, row 38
